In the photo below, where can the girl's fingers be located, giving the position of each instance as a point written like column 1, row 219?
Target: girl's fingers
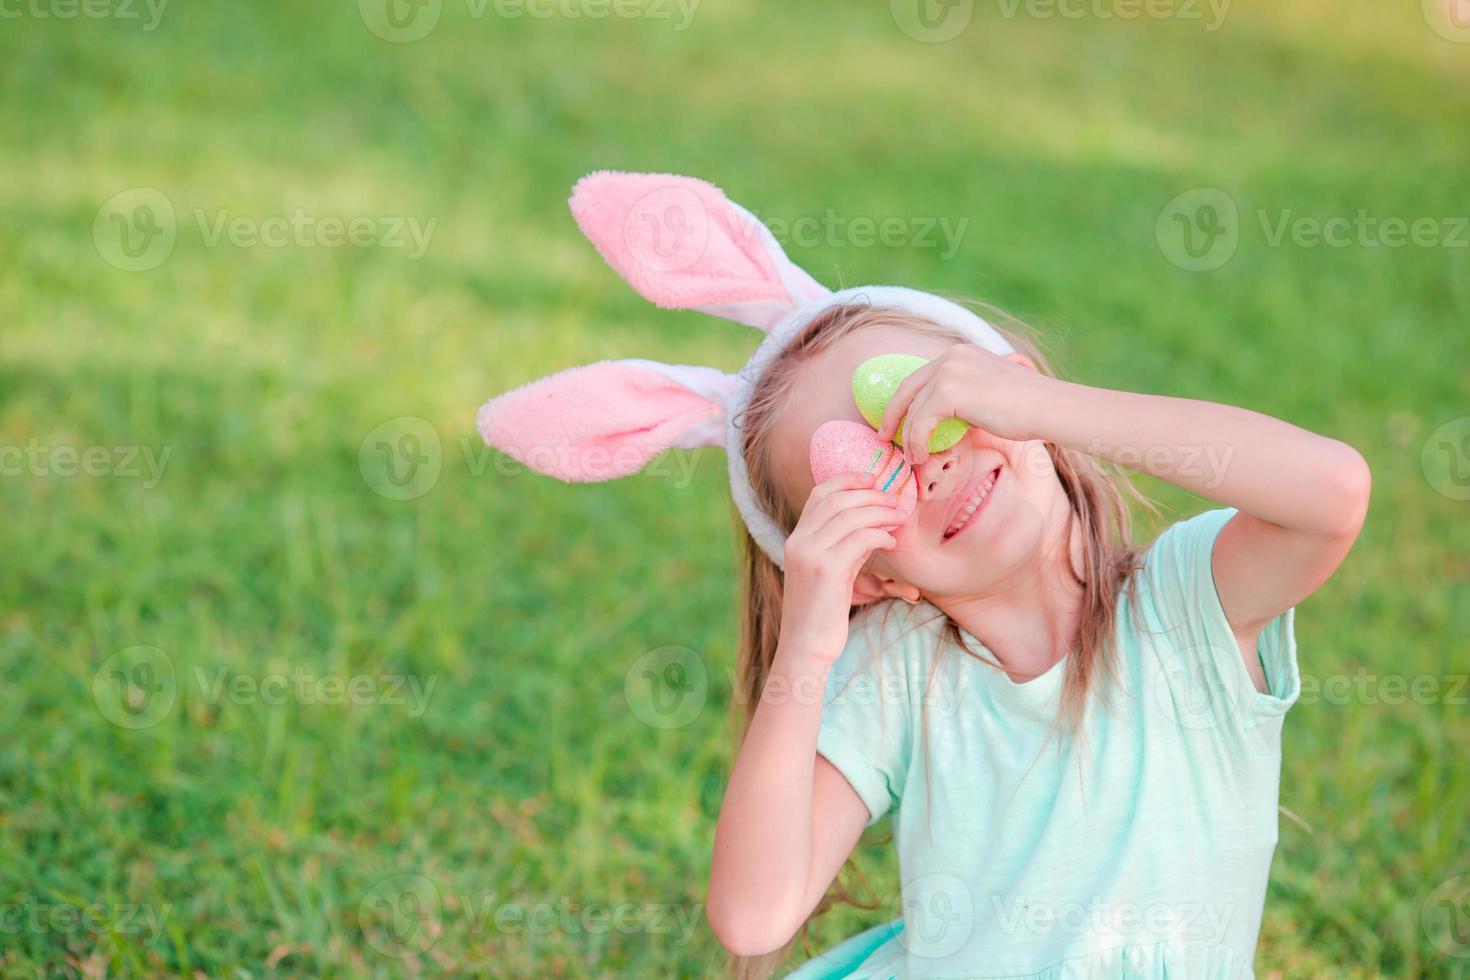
column 870, row 539
column 840, row 500
column 898, row 405
column 931, row 407
column 840, row 483
column 860, row 498
column 873, row 506
column 916, row 433
column 923, row 419
column 841, row 525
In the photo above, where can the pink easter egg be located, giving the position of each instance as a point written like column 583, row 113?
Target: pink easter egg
column 840, row 446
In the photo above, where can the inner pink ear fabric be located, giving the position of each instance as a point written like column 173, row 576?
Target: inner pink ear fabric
column 683, row 245
column 599, row 422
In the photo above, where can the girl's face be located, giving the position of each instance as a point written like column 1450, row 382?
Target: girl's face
column 941, row 553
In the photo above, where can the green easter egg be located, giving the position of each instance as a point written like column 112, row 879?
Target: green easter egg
column 874, row 383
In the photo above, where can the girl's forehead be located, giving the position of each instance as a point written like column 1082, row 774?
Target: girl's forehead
column 823, row 392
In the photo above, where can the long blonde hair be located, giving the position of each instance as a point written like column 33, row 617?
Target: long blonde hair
column 1097, row 492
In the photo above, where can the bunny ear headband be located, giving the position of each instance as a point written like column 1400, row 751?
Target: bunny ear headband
column 682, row 244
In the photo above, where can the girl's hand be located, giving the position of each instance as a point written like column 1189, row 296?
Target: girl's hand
column 991, row 392
column 843, row 522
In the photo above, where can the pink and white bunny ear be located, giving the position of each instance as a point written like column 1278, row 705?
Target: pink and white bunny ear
column 683, row 245
column 609, row 419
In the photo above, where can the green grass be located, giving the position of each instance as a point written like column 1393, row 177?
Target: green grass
column 259, row 837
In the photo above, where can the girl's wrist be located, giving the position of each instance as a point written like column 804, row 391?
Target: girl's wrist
column 1046, row 396
column 798, row 661
column 797, row 680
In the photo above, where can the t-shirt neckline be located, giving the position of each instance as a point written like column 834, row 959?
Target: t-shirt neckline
column 1036, row 689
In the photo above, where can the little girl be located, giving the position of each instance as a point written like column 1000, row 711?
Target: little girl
column 1077, row 741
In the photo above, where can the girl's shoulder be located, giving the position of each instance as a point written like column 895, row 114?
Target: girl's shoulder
column 1187, row 534
column 1181, row 635
column 1176, row 572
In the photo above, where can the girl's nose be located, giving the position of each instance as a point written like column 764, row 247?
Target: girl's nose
column 936, row 474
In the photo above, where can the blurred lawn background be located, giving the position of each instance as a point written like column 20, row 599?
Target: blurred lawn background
column 295, row 839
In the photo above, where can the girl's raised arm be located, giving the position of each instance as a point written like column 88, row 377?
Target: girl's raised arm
column 1302, row 497
column 771, row 864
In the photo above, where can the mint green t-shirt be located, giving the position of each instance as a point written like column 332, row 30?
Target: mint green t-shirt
column 1139, row 848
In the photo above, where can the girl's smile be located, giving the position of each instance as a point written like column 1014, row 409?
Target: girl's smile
column 969, row 504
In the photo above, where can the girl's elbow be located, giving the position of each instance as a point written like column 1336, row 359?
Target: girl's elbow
column 1353, row 488
column 748, row 932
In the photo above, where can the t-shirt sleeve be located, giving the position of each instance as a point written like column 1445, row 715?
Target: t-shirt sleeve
column 867, row 713
column 1180, row 574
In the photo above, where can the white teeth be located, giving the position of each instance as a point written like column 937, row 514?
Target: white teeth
column 969, row 509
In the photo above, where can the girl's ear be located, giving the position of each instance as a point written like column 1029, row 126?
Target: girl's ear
column 683, row 245
column 1022, row 360
column 868, row 587
column 609, row 419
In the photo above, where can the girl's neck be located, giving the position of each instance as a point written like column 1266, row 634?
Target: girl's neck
column 1030, row 624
